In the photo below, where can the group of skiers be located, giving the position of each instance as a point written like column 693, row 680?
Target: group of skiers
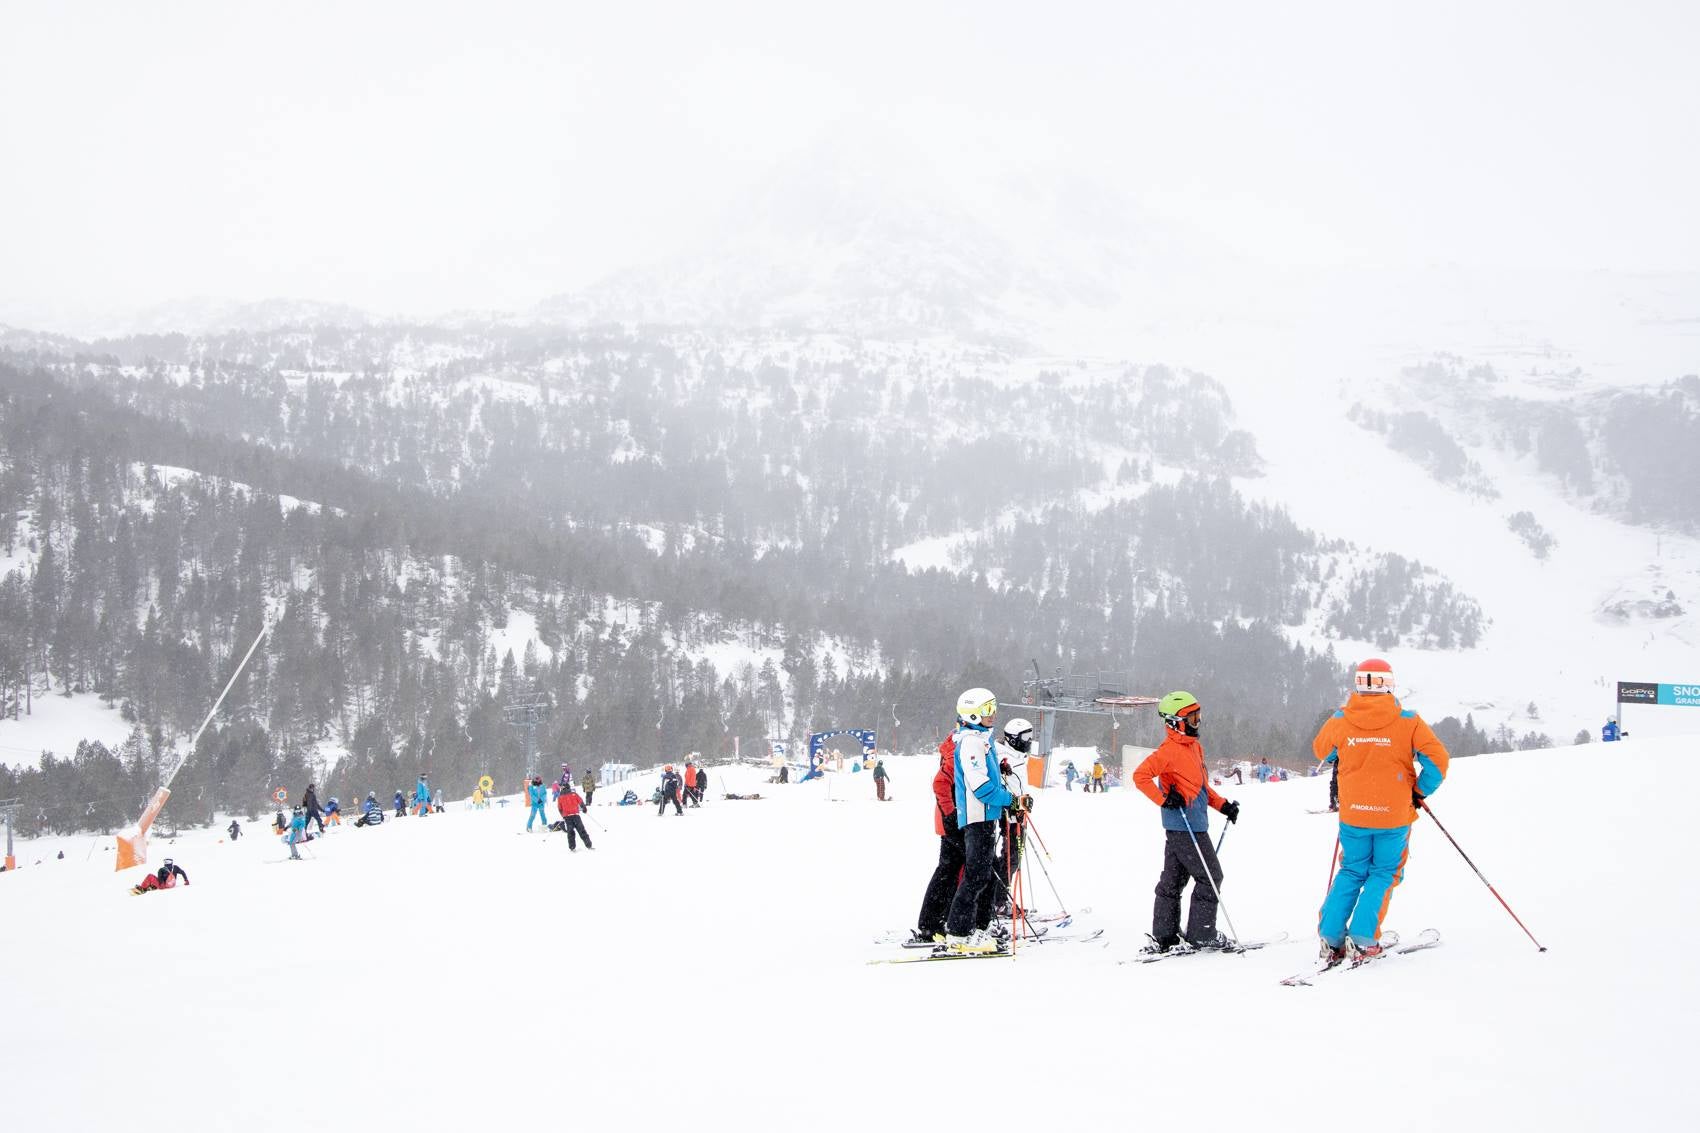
column 1090, row 783
column 1385, row 762
column 680, row 789
column 979, row 814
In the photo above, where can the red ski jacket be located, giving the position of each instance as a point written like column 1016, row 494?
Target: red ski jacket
column 568, row 803
column 944, row 785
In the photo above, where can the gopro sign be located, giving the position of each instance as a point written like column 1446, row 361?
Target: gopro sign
column 1646, row 692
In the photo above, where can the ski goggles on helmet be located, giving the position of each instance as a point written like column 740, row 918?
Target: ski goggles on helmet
column 1192, row 714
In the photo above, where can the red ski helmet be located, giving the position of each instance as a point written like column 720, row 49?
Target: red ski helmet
column 1373, row 675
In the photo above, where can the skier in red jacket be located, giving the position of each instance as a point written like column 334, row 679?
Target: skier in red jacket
column 569, row 802
column 941, row 887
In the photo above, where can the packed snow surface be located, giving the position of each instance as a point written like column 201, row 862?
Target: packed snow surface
column 711, row 970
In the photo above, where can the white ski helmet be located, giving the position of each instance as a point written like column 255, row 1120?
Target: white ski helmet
column 1019, row 733
column 976, row 706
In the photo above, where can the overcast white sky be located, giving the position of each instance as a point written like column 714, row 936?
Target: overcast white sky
column 418, row 157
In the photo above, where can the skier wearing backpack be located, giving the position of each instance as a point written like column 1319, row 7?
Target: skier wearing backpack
column 1175, row 778
column 981, row 799
column 1388, row 761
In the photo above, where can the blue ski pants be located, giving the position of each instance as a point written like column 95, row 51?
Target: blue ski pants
column 1372, row 863
column 536, row 813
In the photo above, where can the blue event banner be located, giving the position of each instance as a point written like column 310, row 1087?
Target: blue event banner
column 1688, row 695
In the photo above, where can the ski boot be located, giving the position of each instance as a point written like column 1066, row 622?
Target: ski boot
column 1363, row 953
column 1218, row 943
column 1157, row 947
column 1332, row 955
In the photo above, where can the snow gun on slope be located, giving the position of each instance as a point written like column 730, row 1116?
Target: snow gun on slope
column 133, row 843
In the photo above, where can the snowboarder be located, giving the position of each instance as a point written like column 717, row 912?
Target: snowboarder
column 311, row 804
column 1611, row 733
column 371, row 814
column 400, row 804
column 165, row 878
column 588, row 782
column 568, row 803
column 422, row 796
column 1389, row 761
column 879, row 779
column 235, row 830
column 670, row 787
column 980, row 801
column 537, row 794
column 941, row 887
column 1174, row 778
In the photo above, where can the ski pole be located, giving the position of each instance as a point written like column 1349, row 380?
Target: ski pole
column 1036, row 835
column 1210, row 877
column 1333, row 861
column 1485, row 881
column 1052, row 884
column 1223, row 838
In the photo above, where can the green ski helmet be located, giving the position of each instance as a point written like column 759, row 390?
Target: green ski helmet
column 1178, row 705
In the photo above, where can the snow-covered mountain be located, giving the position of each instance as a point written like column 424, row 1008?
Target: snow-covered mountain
column 870, row 234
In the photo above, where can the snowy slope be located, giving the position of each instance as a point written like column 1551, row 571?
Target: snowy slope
column 58, row 724
column 448, row 970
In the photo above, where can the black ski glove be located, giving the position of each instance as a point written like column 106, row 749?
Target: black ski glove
column 1231, row 811
column 1417, row 799
column 1173, row 801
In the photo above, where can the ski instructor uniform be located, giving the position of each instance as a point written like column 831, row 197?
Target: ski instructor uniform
column 1388, row 760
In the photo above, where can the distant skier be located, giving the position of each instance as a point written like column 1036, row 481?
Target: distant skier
column 165, row 878
column 671, row 785
column 311, row 804
column 537, row 794
column 588, row 782
column 333, row 811
column 437, row 801
column 297, row 833
column 1174, row 778
column 422, row 796
column 400, row 804
column 569, row 803
column 235, row 830
column 566, row 779
column 980, row 801
column 880, row 778
column 1069, row 775
column 1611, row 733
column 702, row 784
column 1389, row 760
column 692, row 794
column 1097, row 776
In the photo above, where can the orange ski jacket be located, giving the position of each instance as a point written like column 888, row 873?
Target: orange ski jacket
column 1384, row 752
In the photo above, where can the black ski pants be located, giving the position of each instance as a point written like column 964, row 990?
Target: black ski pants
column 971, row 907
column 575, row 825
column 1181, row 862
column 665, row 799
column 941, row 887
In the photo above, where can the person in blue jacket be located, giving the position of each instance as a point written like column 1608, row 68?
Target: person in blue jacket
column 980, row 802
column 297, row 833
column 400, row 803
column 422, row 796
column 1611, row 733
column 538, row 794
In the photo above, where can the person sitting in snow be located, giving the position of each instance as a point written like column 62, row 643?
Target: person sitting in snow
column 371, row 814
column 165, row 878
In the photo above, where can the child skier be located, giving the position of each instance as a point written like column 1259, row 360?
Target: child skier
column 980, row 801
column 1174, row 777
column 1388, row 760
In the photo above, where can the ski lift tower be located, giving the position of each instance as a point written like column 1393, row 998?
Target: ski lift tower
column 7, row 808
column 1088, row 694
column 526, row 711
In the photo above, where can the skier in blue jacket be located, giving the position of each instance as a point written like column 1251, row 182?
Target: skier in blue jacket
column 422, row 796
column 980, row 801
column 297, row 832
column 538, row 794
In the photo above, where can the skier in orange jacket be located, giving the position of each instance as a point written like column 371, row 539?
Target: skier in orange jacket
column 1174, row 778
column 1388, row 760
